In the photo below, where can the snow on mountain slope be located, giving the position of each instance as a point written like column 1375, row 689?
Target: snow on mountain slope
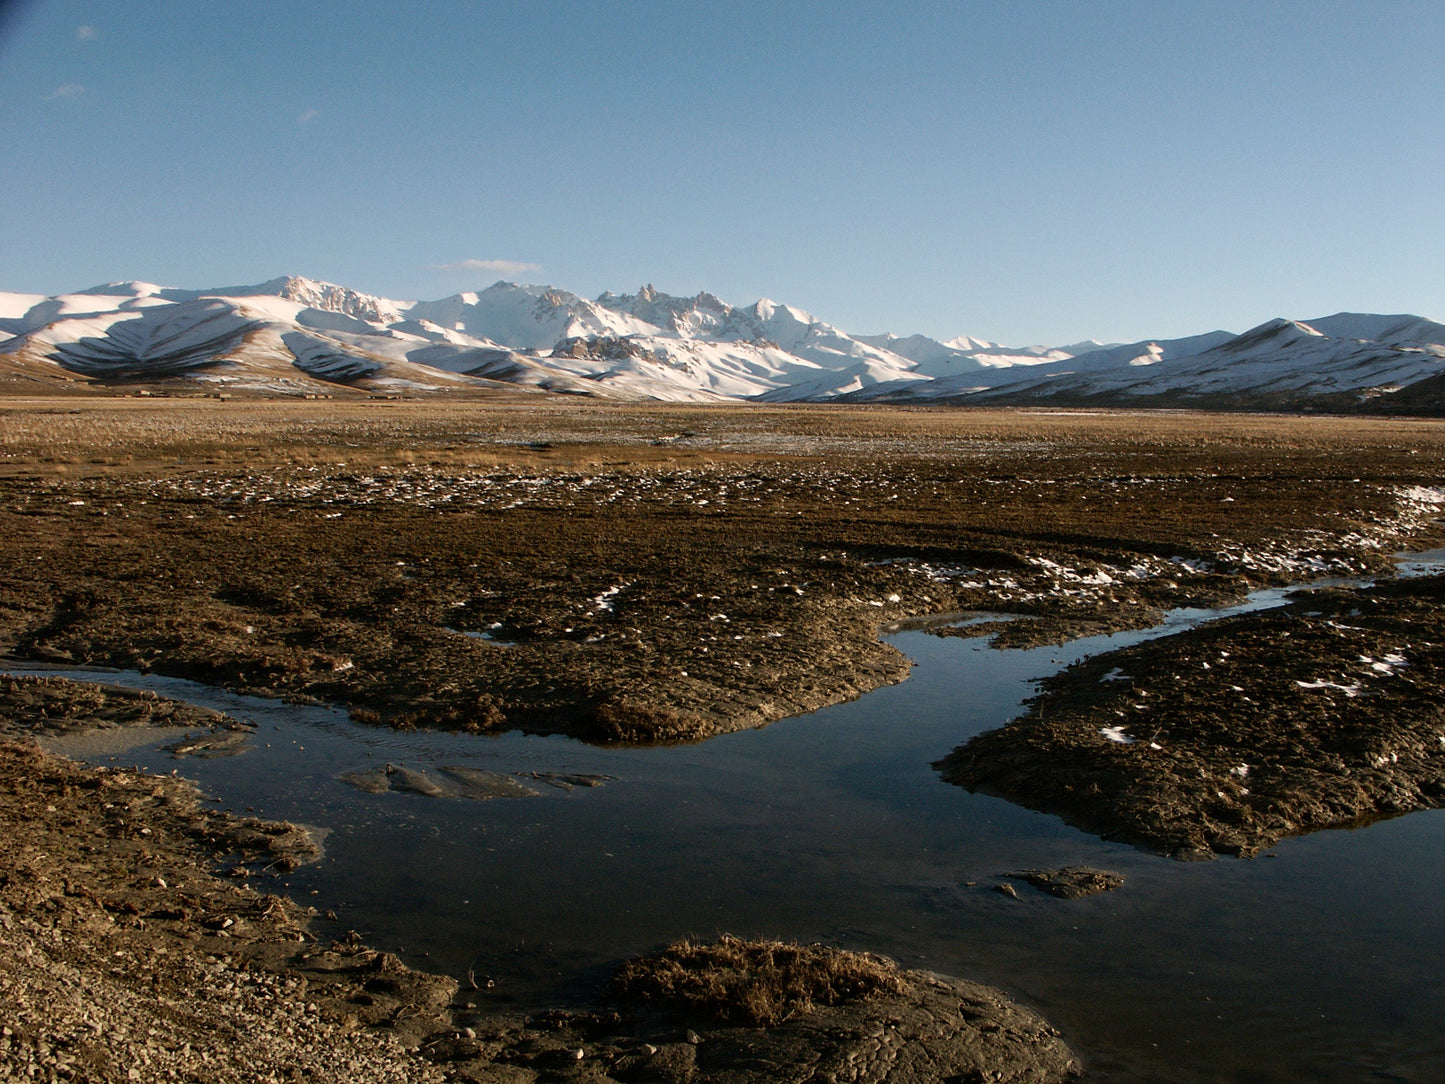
column 762, row 342
column 649, row 343
column 163, row 341
column 15, row 306
column 291, row 334
column 1282, row 363
column 960, row 355
column 133, row 331
column 834, row 383
column 804, row 336
column 307, row 293
column 689, row 317
column 1146, row 352
column 526, row 317
column 100, row 309
column 1399, row 330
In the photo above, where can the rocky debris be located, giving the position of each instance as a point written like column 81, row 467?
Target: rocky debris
column 599, row 347
column 1071, row 882
column 1326, row 713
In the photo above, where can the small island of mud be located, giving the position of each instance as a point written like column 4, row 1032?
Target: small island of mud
column 1326, row 713
column 45, row 706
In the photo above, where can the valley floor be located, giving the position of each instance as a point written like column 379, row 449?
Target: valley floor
column 619, row 573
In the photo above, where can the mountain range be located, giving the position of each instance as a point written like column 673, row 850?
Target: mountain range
column 299, row 336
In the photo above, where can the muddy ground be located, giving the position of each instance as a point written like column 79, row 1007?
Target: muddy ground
column 644, row 574
column 637, row 574
column 1326, row 713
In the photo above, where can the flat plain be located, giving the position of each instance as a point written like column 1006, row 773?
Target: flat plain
column 664, row 574
column 645, row 573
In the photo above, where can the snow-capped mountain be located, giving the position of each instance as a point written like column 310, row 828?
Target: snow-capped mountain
column 647, row 345
column 1345, row 361
column 295, row 335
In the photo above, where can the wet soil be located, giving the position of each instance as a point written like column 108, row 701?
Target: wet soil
column 41, row 706
column 125, row 956
column 445, row 782
column 644, row 574
column 1326, row 713
column 621, row 574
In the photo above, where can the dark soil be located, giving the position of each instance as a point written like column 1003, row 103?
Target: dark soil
column 1326, row 713
column 48, row 706
column 755, row 982
column 123, row 956
column 651, row 574
column 644, row 574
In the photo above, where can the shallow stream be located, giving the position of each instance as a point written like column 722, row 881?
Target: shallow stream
column 1319, row 961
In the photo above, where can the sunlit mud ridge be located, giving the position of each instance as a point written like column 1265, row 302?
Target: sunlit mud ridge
column 1324, row 714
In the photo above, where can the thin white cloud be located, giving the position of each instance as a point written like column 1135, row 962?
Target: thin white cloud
column 501, row 267
column 66, row 91
column 85, row 33
column 308, row 115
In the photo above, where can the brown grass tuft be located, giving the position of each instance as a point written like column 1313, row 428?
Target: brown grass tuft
column 755, row 982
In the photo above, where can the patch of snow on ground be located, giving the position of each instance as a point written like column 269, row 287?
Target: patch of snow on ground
column 1348, row 690
column 603, row 602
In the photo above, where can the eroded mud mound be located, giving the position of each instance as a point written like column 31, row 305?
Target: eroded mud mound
column 1071, row 882
column 445, row 782
column 755, row 982
column 695, row 1013
column 1326, row 713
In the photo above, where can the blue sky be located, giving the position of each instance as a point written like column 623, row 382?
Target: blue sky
column 1026, row 172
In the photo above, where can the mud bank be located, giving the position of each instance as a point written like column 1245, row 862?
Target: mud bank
column 48, row 706
column 1326, row 713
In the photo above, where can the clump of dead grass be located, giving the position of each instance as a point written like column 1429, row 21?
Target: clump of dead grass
column 625, row 720
column 755, row 982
